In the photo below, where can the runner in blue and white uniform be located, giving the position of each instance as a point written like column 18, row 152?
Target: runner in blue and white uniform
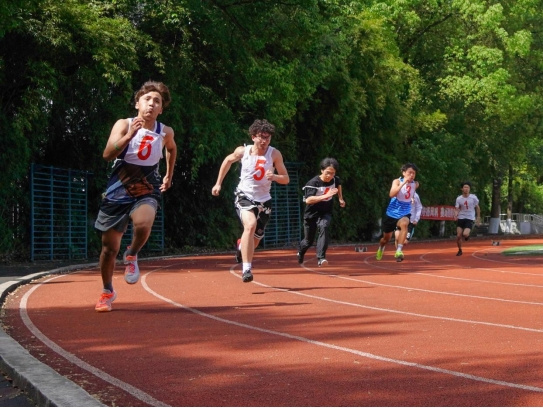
column 402, row 193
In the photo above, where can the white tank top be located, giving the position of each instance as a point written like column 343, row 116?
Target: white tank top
column 145, row 149
column 253, row 182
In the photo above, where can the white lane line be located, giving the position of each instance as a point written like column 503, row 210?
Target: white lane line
column 336, row 347
column 135, row 392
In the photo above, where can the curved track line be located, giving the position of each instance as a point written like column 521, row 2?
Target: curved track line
column 478, row 280
column 336, row 347
column 487, row 260
column 427, row 290
column 380, row 309
column 135, row 392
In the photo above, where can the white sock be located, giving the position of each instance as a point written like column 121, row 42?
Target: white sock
column 246, row 265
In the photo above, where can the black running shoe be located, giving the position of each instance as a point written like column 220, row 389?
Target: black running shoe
column 459, row 253
column 247, row 276
column 300, row 257
column 466, row 238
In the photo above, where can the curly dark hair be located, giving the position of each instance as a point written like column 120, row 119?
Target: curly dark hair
column 261, row 126
column 154, row 86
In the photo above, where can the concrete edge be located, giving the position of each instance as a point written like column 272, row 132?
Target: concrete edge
column 44, row 385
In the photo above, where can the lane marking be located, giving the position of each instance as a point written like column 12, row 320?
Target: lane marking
column 333, row 346
column 135, row 392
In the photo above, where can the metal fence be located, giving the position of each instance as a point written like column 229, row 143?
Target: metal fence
column 60, row 219
column 58, row 213
column 284, row 227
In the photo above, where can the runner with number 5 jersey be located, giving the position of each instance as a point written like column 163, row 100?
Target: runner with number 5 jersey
column 261, row 164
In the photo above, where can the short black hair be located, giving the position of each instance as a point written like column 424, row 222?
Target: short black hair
column 329, row 162
column 409, row 166
column 465, row 183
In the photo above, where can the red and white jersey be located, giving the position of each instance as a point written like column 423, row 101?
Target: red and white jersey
column 253, row 182
column 145, row 148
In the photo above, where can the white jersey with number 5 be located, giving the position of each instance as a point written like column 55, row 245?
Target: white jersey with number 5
column 253, row 182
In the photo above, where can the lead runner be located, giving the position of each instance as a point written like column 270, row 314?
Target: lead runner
column 134, row 187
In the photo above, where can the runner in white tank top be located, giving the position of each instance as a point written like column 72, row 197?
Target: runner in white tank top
column 253, row 182
column 253, row 199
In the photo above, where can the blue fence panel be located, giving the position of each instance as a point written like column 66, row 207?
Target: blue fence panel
column 283, row 229
column 58, row 213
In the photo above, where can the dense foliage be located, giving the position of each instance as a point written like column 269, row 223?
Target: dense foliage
column 454, row 86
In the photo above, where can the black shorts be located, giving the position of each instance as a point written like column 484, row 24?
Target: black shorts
column 262, row 211
column 390, row 224
column 464, row 223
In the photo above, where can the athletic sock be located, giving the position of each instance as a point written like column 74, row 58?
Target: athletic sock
column 246, row 265
column 109, row 286
column 400, row 246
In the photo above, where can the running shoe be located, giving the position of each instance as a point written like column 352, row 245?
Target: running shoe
column 239, row 259
column 323, row 262
column 300, row 257
column 399, row 256
column 247, row 276
column 132, row 271
column 459, row 253
column 106, row 299
column 379, row 254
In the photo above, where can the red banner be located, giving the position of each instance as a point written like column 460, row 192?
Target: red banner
column 438, row 212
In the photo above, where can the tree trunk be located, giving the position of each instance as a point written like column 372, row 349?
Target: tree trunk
column 495, row 209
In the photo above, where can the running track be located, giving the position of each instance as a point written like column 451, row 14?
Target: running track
column 434, row 330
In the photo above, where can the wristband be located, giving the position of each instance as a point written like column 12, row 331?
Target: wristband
column 116, row 147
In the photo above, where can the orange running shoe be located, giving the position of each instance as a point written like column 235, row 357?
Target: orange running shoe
column 105, row 301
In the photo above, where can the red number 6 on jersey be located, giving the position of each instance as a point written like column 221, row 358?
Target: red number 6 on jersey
column 144, row 151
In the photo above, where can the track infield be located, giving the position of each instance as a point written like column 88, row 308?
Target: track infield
column 434, row 330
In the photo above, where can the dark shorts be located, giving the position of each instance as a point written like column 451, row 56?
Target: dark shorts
column 390, row 224
column 464, row 223
column 262, row 211
column 117, row 216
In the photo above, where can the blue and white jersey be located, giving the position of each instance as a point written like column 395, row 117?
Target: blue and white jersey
column 400, row 205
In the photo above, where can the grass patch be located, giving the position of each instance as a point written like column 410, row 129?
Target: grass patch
column 527, row 250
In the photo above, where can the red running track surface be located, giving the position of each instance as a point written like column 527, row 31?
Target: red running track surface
column 434, row 330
